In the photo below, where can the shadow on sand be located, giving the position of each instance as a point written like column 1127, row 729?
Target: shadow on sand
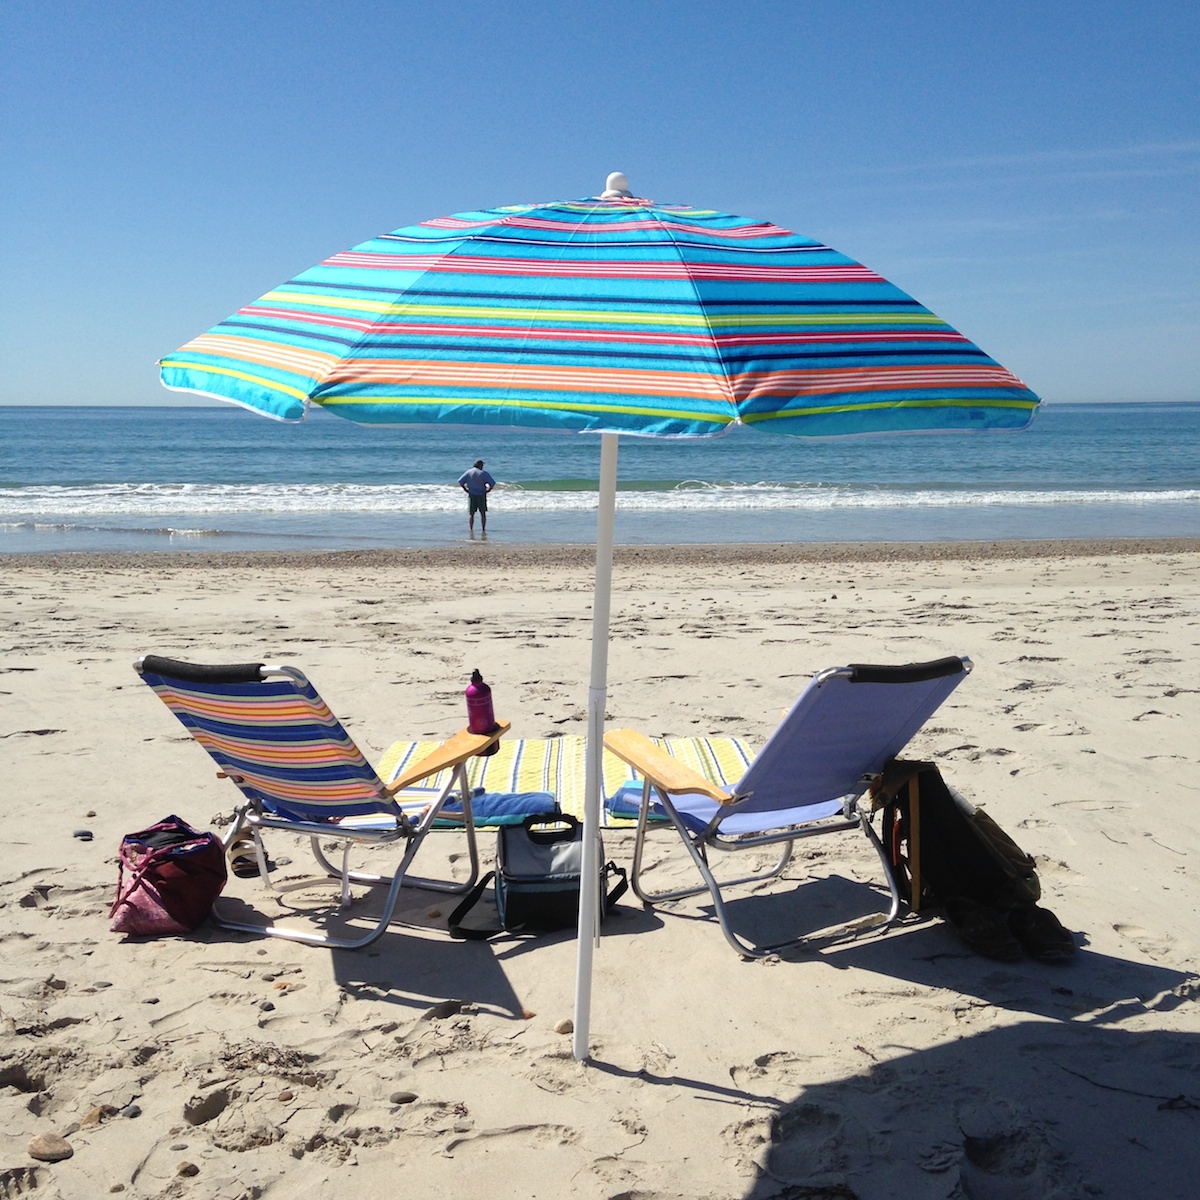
column 1020, row 1112
column 1062, row 1103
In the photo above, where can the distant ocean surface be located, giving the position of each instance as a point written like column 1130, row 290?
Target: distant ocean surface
column 105, row 479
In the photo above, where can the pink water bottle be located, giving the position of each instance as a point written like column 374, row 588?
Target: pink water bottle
column 480, row 716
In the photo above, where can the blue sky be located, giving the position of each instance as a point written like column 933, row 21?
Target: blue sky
column 1027, row 170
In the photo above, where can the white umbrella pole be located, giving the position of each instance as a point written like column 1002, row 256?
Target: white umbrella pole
column 589, row 892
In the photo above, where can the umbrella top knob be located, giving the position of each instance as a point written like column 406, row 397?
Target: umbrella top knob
column 616, row 185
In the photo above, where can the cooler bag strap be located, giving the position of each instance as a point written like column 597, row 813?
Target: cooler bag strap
column 611, row 898
column 545, row 829
column 469, row 901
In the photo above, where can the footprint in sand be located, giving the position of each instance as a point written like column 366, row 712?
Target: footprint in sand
column 39, row 896
column 1054, row 868
column 1150, row 944
column 1007, row 1156
column 800, row 1142
column 48, row 899
column 781, row 1065
column 534, row 1137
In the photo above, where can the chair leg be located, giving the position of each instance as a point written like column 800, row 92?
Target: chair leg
column 701, row 861
column 345, row 899
column 371, row 879
column 652, row 898
column 231, row 834
column 316, row 939
column 873, row 838
column 444, row 885
column 699, row 856
column 394, row 882
column 714, row 888
column 639, row 843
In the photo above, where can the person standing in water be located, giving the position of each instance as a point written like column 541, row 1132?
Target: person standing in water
column 476, row 482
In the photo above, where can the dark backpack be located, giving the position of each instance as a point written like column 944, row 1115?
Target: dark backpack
column 941, row 847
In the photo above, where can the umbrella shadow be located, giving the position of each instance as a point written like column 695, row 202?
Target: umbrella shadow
column 427, row 974
column 1022, row 1111
column 415, row 964
column 1102, row 988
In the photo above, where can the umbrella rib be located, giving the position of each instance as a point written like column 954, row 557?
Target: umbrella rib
column 539, row 304
column 726, row 383
column 402, row 301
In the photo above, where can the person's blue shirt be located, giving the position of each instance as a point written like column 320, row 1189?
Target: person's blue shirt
column 477, row 481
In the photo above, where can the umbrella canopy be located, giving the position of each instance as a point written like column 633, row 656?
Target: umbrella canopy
column 611, row 315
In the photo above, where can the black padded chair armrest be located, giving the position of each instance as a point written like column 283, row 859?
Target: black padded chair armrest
column 172, row 668
column 908, row 673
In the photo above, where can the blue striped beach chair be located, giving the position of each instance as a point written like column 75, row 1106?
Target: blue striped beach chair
column 299, row 771
column 810, row 778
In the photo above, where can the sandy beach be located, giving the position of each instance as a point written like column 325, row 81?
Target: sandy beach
column 868, row 1066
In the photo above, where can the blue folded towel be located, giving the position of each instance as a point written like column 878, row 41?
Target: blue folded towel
column 500, row 808
column 626, row 801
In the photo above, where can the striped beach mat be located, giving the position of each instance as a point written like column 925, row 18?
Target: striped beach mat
column 537, row 767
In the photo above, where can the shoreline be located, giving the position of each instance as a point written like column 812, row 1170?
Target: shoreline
column 535, row 555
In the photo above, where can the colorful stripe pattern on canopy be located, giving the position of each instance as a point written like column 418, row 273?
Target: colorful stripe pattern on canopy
column 610, row 315
column 281, row 744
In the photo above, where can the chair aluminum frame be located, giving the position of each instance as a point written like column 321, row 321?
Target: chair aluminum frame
column 697, row 846
column 383, row 828
column 251, row 818
column 855, row 815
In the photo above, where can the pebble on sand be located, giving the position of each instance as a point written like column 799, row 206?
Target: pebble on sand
column 566, row 1025
column 98, row 1114
column 49, row 1147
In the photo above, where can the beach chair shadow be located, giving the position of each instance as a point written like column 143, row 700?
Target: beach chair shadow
column 808, row 780
column 300, row 772
column 424, row 968
column 929, row 954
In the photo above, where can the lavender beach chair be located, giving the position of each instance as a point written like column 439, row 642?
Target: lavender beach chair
column 809, row 779
column 300, row 772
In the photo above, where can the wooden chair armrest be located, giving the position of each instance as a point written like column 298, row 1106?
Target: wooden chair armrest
column 450, row 753
column 674, row 777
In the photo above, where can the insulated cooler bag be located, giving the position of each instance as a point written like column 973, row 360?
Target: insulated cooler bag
column 537, row 878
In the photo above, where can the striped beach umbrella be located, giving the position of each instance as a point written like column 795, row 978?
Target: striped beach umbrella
column 610, row 315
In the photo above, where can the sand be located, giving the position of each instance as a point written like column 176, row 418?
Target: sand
column 868, row 1065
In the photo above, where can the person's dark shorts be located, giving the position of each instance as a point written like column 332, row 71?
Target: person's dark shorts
column 476, row 504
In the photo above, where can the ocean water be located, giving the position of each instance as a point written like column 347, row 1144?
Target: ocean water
column 222, row 478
